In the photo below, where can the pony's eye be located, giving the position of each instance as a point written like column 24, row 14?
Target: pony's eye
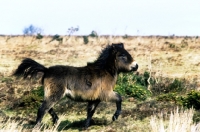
column 123, row 56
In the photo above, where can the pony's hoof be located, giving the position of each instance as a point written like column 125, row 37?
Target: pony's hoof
column 86, row 125
column 84, row 128
column 55, row 121
column 114, row 118
column 36, row 127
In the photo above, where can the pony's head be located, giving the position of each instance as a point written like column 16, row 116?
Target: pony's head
column 115, row 59
column 123, row 60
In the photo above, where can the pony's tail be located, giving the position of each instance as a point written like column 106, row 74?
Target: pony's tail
column 29, row 67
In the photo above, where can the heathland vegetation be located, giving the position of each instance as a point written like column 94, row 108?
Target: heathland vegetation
column 163, row 95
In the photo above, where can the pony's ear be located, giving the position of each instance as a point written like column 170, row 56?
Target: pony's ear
column 119, row 45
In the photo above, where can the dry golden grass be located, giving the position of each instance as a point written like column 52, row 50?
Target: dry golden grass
column 178, row 121
column 18, row 126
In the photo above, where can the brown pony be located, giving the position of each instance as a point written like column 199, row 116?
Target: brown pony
column 92, row 83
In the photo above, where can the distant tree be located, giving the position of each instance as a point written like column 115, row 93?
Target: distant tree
column 39, row 36
column 32, row 30
column 125, row 36
column 93, row 34
column 72, row 30
column 57, row 37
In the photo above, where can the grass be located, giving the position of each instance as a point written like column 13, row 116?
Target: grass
column 178, row 120
column 167, row 60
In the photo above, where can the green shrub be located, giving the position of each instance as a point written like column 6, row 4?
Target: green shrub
column 137, row 79
column 176, row 86
column 32, row 100
column 167, row 85
column 171, row 97
column 192, row 100
column 196, row 117
column 137, row 91
column 184, row 44
column 6, row 80
column 143, row 79
column 39, row 91
column 132, row 86
column 172, row 45
column 85, row 39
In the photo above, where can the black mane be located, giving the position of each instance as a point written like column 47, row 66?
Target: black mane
column 104, row 57
column 106, row 60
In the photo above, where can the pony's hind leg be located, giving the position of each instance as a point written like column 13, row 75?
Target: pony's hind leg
column 44, row 108
column 92, row 105
column 53, row 115
column 46, row 105
column 53, row 93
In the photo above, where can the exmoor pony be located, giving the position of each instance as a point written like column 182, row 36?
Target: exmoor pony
column 92, row 83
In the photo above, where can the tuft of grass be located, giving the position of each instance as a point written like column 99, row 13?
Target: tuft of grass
column 178, row 121
column 13, row 125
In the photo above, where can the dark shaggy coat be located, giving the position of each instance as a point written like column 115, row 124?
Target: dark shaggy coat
column 92, row 83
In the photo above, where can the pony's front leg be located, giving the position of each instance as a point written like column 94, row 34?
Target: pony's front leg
column 92, row 105
column 118, row 105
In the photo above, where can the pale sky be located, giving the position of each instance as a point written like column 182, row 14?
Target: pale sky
column 106, row 17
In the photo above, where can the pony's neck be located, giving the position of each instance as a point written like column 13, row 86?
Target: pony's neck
column 106, row 62
column 112, row 69
column 106, row 66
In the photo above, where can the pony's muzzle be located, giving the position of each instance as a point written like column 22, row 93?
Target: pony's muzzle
column 134, row 66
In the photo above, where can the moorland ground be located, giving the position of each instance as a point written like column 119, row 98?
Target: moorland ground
column 162, row 56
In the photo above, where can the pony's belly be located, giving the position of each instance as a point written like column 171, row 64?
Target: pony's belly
column 71, row 95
